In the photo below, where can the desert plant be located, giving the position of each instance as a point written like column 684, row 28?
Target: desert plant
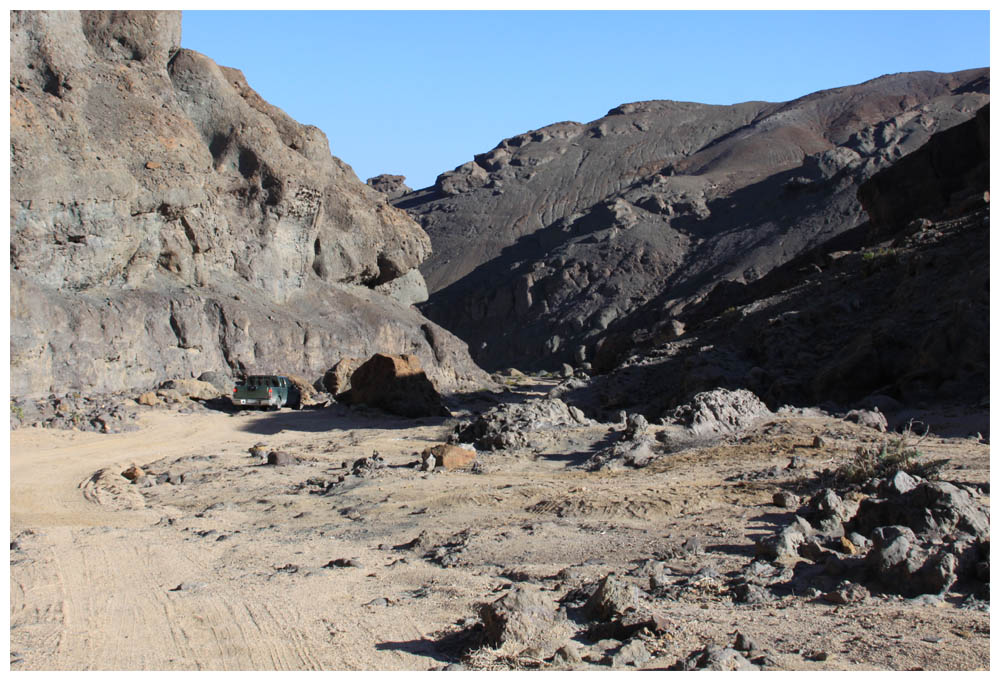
column 883, row 459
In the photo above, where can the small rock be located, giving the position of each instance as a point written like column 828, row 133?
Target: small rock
column 612, row 598
column 818, row 442
column 795, row 463
column 786, row 500
column 900, row 482
column 716, row 658
column 148, row 399
column 344, row 563
column 133, row 473
column 568, row 654
column 751, row 593
column 847, row 593
column 189, row 586
column 451, row 457
column 871, row 418
column 745, row 644
column 279, row 458
column 633, row 653
column 692, row 546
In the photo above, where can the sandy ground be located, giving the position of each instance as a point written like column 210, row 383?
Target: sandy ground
column 233, row 567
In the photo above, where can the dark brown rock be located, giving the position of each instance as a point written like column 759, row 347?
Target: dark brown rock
column 397, row 384
column 279, row 458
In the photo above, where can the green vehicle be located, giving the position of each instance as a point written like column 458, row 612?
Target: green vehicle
column 269, row 392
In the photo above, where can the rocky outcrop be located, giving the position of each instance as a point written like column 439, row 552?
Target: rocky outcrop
column 949, row 174
column 393, row 186
column 166, row 221
column 556, row 237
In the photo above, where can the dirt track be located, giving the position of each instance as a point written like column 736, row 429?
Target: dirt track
column 231, row 569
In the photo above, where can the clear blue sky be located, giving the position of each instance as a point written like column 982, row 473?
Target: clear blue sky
column 417, row 93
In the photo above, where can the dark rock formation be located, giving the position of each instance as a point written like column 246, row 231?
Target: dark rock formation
column 901, row 319
column 949, row 174
column 558, row 235
column 166, row 221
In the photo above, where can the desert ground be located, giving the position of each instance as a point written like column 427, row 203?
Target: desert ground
column 228, row 563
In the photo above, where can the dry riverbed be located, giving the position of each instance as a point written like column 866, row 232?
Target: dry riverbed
column 217, row 560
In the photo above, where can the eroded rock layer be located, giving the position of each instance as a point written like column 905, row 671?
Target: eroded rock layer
column 166, row 220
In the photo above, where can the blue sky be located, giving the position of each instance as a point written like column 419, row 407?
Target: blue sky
column 417, row 93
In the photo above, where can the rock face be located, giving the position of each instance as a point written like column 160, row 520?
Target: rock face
column 557, row 235
column 166, row 221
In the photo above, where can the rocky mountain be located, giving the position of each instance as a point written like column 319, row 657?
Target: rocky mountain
column 894, row 314
column 548, row 243
column 166, row 220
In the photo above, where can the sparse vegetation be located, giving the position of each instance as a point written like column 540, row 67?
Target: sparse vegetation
column 885, row 458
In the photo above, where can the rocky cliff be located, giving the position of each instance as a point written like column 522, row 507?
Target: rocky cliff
column 546, row 244
column 166, row 220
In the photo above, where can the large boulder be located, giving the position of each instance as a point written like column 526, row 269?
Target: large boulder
column 936, row 507
column 397, row 384
column 721, row 412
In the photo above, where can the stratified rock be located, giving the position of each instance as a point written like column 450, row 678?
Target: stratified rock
column 165, row 218
column 397, row 384
column 950, row 170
